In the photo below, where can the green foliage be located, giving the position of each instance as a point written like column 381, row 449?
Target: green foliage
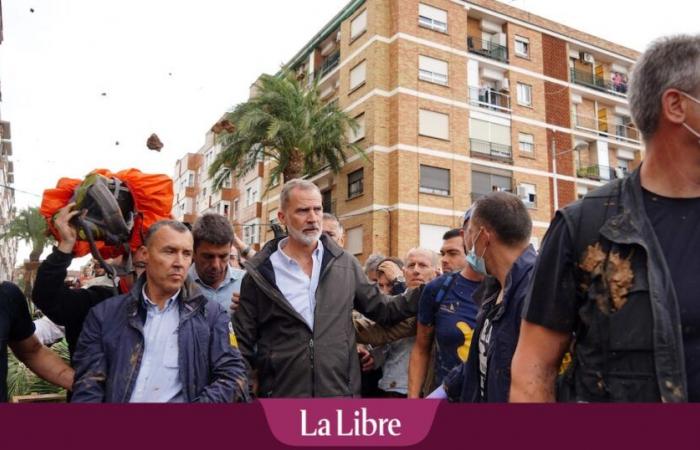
column 30, row 226
column 288, row 123
column 22, row 381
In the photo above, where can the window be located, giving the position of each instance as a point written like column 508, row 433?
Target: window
column 227, row 182
column 190, row 180
column 433, row 18
column 434, row 180
column 354, row 136
column 528, row 194
column 358, row 75
column 581, row 192
column 526, row 142
column 522, row 47
column 356, row 183
column 235, row 208
column 326, row 201
column 483, row 183
column 433, row 124
column 354, row 241
column 524, row 94
column 430, row 236
column 252, row 191
column 358, row 25
column 251, row 232
column 490, row 138
column 432, row 70
column 226, row 209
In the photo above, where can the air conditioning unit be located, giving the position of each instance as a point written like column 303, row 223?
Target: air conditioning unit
column 586, row 57
column 337, row 36
column 505, row 84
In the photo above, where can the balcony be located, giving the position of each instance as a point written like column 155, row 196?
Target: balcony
column 250, row 212
column 598, row 173
column 329, row 64
column 491, row 150
column 488, row 98
column 588, row 79
column 618, row 131
column 487, row 49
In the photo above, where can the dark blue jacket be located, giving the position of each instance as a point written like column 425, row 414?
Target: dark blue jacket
column 109, row 352
column 462, row 383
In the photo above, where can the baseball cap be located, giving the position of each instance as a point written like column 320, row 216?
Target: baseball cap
column 468, row 214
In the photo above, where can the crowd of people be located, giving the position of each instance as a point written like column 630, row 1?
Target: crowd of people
column 604, row 312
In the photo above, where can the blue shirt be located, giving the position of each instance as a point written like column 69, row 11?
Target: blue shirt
column 453, row 319
column 298, row 288
column 158, row 380
column 223, row 294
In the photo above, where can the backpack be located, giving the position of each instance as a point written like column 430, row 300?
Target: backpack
column 120, row 207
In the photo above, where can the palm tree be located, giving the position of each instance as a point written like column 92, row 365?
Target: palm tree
column 288, row 123
column 30, row 226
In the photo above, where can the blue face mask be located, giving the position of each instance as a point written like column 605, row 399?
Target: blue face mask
column 477, row 262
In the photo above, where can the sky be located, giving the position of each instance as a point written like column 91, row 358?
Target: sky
column 85, row 82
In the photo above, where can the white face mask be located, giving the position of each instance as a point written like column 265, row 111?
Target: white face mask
column 688, row 127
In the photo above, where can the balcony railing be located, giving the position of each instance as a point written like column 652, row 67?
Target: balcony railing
column 488, row 49
column 619, row 131
column 491, row 150
column 489, row 98
column 329, row 64
column 596, row 173
column 592, row 81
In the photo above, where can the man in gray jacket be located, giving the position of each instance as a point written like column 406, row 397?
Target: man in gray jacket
column 294, row 322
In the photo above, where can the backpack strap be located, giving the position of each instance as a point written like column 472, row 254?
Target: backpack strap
column 445, row 287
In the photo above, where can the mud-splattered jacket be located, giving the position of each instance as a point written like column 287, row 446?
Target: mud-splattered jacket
column 625, row 319
column 111, row 345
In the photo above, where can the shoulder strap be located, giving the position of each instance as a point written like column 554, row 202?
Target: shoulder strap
column 445, row 287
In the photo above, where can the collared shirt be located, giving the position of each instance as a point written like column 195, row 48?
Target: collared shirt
column 223, row 294
column 298, row 288
column 158, row 380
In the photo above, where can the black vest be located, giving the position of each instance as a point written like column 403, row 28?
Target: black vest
column 627, row 344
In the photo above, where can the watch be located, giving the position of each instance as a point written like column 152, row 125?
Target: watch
column 399, row 279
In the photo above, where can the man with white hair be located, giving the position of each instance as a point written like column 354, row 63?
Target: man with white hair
column 421, row 267
column 294, row 322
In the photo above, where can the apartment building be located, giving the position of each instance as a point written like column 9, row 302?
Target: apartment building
column 456, row 99
column 238, row 199
column 8, row 247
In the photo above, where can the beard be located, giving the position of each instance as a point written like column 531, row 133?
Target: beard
column 306, row 238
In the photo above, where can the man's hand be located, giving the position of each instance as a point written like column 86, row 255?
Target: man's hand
column 366, row 358
column 67, row 232
column 235, row 301
column 390, row 270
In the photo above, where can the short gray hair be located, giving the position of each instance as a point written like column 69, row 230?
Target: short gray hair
column 434, row 259
column 174, row 224
column 332, row 218
column 293, row 184
column 372, row 262
column 671, row 62
column 212, row 228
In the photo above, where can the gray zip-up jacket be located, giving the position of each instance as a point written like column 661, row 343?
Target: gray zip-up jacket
column 290, row 358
